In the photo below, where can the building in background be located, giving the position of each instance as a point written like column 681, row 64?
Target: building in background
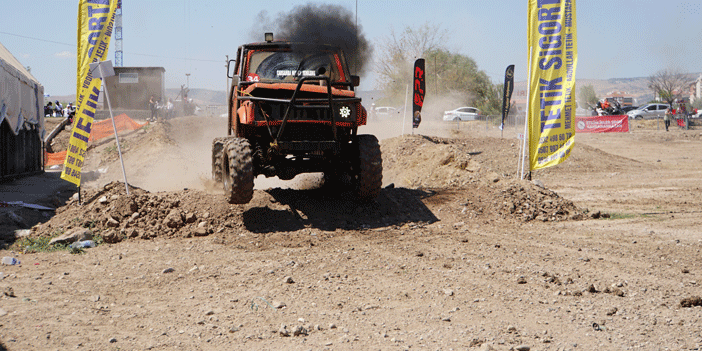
column 623, row 98
column 130, row 89
column 696, row 89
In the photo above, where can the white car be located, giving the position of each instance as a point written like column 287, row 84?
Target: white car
column 383, row 112
column 462, row 114
column 649, row 111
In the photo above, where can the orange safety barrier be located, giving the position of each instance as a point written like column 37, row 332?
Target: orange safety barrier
column 56, row 158
column 98, row 131
column 104, row 128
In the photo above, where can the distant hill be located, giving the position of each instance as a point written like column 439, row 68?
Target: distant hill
column 636, row 87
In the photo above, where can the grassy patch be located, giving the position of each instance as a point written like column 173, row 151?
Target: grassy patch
column 41, row 244
column 110, row 150
column 622, row 215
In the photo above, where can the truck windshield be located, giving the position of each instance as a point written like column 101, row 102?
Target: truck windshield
column 282, row 66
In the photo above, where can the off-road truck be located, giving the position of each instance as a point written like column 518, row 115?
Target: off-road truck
column 293, row 109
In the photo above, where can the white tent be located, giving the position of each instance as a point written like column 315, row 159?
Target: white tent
column 21, row 119
column 21, row 95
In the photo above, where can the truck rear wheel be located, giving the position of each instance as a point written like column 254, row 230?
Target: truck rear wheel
column 237, row 171
column 369, row 175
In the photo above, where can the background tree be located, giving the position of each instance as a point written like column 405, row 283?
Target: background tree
column 668, row 85
column 448, row 74
column 587, row 96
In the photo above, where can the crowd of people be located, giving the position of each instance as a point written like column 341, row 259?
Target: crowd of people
column 159, row 109
column 56, row 109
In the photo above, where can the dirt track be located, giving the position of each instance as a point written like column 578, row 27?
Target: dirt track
column 454, row 254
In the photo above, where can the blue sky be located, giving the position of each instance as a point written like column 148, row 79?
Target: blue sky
column 616, row 38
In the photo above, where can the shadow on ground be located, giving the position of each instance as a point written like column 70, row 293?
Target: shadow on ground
column 45, row 189
column 325, row 210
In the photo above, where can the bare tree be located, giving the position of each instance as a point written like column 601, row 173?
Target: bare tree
column 449, row 74
column 587, row 96
column 398, row 52
column 668, row 84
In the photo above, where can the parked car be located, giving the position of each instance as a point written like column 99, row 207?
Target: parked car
column 649, row 111
column 626, row 109
column 383, row 111
column 462, row 114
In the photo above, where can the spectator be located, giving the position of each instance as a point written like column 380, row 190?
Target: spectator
column 49, row 109
column 169, row 109
column 153, row 106
column 667, row 117
column 58, row 109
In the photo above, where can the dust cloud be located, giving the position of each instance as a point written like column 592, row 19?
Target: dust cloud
column 399, row 123
column 320, row 24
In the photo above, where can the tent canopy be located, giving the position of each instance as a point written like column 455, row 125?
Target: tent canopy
column 21, row 95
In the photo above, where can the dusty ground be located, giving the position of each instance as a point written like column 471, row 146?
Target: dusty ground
column 454, row 254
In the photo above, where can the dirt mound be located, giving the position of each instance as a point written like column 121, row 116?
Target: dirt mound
column 433, row 162
column 481, row 168
column 110, row 212
column 114, row 215
column 417, row 169
column 528, row 201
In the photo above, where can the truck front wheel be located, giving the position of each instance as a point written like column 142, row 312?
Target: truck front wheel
column 369, row 173
column 237, row 171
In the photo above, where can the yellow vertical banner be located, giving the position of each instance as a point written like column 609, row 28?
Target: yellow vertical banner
column 552, row 38
column 95, row 23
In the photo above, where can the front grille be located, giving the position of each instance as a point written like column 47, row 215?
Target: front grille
column 343, row 112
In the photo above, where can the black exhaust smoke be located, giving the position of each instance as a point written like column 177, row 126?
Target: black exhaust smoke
column 325, row 24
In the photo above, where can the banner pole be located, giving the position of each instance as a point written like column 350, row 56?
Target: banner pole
column 404, row 114
column 114, row 127
column 525, row 144
column 526, row 115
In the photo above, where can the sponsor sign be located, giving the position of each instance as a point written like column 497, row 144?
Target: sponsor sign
column 602, row 124
column 507, row 93
column 419, row 91
column 95, row 23
column 552, row 41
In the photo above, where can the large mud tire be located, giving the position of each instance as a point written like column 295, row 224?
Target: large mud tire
column 217, row 149
column 369, row 175
column 237, row 176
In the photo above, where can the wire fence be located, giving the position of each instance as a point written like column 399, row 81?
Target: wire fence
column 513, row 123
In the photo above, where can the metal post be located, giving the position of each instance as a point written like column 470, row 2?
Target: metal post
column 119, row 149
column 404, row 114
column 524, row 152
